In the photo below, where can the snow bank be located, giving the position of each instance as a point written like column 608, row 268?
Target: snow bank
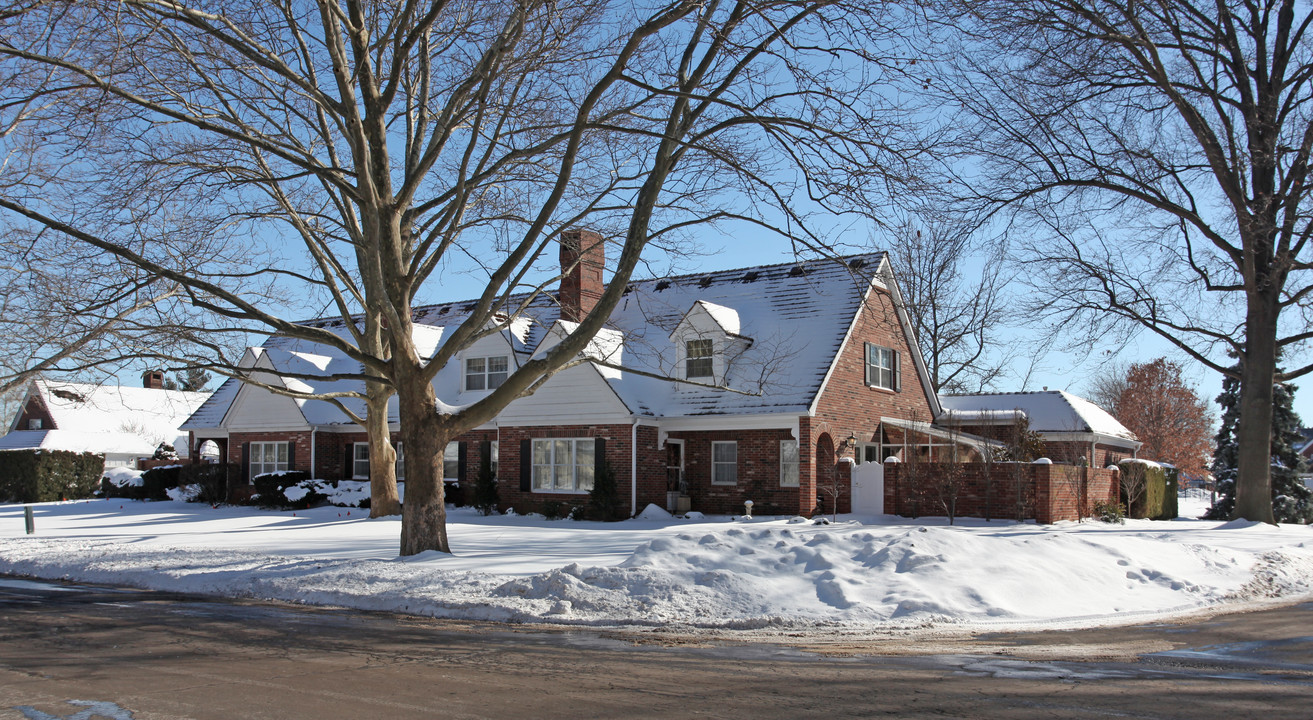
column 708, row 573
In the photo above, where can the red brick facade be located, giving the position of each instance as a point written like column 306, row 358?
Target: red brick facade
column 1046, row 493
column 34, row 409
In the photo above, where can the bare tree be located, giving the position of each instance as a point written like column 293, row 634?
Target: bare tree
column 1157, row 153
column 398, row 142
column 954, row 286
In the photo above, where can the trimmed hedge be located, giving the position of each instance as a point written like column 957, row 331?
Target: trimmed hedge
column 271, row 489
column 30, row 476
column 1152, row 479
column 157, row 482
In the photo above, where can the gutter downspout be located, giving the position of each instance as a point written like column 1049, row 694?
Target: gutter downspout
column 313, row 474
column 633, row 469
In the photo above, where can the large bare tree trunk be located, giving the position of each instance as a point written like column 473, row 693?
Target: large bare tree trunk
column 424, row 514
column 1253, row 490
column 383, row 497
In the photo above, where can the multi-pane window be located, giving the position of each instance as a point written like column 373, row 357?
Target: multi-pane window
column 789, row 463
column 697, row 362
column 268, row 457
column 360, row 460
column 724, row 463
column 451, row 461
column 492, row 457
column 485, row 373
column 881, row 367
column 563, row 464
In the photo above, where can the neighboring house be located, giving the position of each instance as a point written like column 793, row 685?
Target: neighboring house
column 123, row 423
column 819, row 357
column 1073, row 428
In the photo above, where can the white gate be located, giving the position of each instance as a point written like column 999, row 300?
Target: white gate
column 868, row 488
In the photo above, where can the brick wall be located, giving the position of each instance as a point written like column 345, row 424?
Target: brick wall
column 35, row 409
column 651, row 465
column 758, row 473
column 1045, row 493
column 849, row 407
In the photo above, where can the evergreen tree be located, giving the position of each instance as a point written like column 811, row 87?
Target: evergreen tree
column 486, row 498
column 192, row 380
column 604, row 498
column 1292, row 501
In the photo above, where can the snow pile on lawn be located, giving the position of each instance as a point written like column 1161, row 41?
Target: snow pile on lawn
column 702, row 573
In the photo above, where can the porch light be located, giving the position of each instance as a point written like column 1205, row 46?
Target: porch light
column 851, row 442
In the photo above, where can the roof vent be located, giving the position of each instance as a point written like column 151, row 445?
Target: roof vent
column 797, row 271
column 751, row 277
column 705, row 282
column 662, row 285
column 857, row 263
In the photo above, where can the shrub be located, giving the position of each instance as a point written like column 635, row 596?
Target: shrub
column 1109, row 512
column 552, row 509
column 214, row 480
column 29, row 476
column 486, row 498
column 156, row 482
column 1143, row 488
column 453, row 494
column 271, row 489
column 604, row 499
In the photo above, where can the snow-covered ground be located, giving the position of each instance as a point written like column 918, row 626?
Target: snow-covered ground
column 861, row 574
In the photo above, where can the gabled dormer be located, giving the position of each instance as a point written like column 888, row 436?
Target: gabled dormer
column 707, row 339
column 607, row 346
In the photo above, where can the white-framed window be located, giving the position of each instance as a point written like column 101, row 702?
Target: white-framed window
column 724, row 463
column 451, row 461
column 268, row 457
column 882, row 367
column 563, row 465
column 486, row 373
column 34, row 423
column 698, row 358
column 360, row 460
column 492, row 457
column 789, row 463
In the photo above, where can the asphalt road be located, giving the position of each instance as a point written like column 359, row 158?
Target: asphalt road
column 76, row 651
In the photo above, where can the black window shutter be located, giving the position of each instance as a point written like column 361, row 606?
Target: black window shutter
column 460, row 461
column 485, row 456
column 246, row 462
column 599, row 455
column 866, row 362
column 291, row 456
column 349, row 464
column 898, row 371
column 526, row 465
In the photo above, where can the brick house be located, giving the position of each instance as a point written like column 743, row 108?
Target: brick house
column 121, row 422
column 790, row 370
column 1075, row 430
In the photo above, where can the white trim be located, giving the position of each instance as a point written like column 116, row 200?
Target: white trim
column 1086, row 436
column 773, row 421
column 797, row 462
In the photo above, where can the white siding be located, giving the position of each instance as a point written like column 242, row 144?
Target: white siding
column 257, row 408
column 573, row 396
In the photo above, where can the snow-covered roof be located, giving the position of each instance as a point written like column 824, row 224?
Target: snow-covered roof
column 1049, row 411
column 797, row 315
column 115, row 419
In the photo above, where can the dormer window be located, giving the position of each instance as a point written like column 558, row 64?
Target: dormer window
column 698, row 359
column 486, row 373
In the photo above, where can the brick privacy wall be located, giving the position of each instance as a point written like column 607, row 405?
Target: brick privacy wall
column 848, row 406
column 651, row 464
column 1046, row 493
column 758, row 474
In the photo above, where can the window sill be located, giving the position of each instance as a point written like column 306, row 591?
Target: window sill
column 546, row 491
column 878, row 388
column 725, row 484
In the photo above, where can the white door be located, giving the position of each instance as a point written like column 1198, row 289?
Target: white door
column 868, row 488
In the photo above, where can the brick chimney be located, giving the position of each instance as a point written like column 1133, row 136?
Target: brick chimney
column 583, row 255
column 153, row 379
